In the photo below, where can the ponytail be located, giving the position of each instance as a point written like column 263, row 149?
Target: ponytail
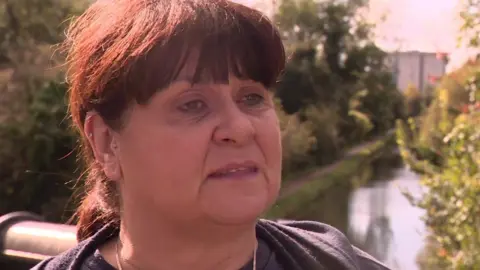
column 99, row 207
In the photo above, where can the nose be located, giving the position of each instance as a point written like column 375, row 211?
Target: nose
column 235, row 127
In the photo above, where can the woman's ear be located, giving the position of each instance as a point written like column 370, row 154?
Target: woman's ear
column 104, row 145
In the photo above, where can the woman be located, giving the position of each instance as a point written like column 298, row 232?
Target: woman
column 173, row 102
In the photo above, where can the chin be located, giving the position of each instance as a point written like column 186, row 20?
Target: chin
column 237, row 203
column 238, row 212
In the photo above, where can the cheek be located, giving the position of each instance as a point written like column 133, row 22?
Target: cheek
column 269, row 140
column 164, row 166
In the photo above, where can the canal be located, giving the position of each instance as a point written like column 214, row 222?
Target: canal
column 384, row 223
column 366, row 201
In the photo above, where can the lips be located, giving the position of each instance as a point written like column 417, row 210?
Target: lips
column 235, row 170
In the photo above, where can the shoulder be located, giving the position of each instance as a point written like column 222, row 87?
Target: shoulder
column 62, row 261
column 74, row 258
column 320, row 244
column 366, row 261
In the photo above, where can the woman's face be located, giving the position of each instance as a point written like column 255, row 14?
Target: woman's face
column 208, row 151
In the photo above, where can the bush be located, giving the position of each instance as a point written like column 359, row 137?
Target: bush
column 413, row 101
column 37, row 157
column 297, row 142
column 453, row 198
column 449, row 160
column 324, row 125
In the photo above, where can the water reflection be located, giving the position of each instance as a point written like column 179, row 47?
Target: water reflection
column 383, row 222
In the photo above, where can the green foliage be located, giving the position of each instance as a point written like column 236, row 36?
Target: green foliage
column 384, row 103
column 448, row 157
column 451, row 98
column 297, row 142
column 336, row 79
column 470, row 15
column 324, row 124
column 413, row 101
column 444, row 145
column 26, row 24
column 36, row 157
column 432, row 256
column 361, row 118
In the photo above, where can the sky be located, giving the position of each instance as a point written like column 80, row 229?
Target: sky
column 423, row 25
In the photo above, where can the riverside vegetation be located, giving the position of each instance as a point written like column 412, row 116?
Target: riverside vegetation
column 443, row 145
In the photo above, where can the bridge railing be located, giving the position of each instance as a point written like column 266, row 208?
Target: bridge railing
column 25, row 239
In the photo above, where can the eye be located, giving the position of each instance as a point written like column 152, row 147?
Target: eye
column 194, row 106
column 253, row 99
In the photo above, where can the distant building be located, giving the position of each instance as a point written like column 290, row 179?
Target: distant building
column 417, row 68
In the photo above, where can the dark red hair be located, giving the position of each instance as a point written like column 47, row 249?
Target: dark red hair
column 122, row 52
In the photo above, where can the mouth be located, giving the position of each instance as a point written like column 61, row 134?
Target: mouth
column 235, row 171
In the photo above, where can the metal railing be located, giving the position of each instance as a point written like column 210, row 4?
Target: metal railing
column 25, row 239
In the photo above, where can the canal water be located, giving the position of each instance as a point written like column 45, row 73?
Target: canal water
column 384, row 223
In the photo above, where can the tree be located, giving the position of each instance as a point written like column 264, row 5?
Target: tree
column 37, row 158
column 334, row 62
column 27, row 24
column 413, row 100
column 297, row 142
column 470, row 29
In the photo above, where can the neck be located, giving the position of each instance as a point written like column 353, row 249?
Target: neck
column 200, row 245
